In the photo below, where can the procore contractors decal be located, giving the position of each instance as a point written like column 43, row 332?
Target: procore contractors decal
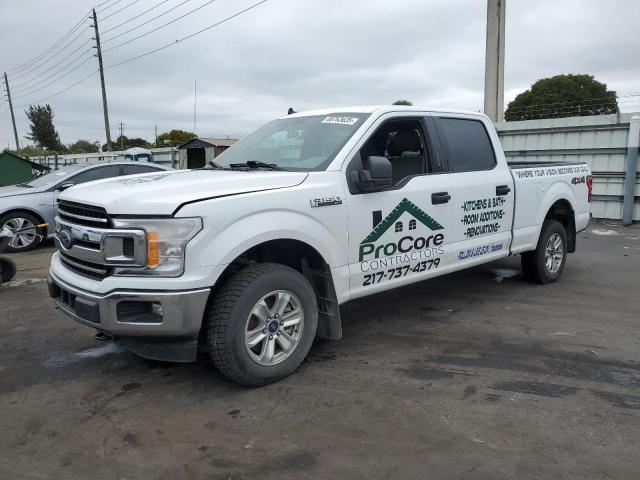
column 402, row 243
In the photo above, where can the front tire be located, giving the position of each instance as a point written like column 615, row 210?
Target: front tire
column 546, row 263
column 261, row 323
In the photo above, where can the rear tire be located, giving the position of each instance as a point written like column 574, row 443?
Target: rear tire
column 260, row 323
column 26, row 241
column 545, row 263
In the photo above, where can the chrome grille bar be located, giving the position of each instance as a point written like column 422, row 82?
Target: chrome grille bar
column 90, row 247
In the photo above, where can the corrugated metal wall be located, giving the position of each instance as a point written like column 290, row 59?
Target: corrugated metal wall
column 601, row 141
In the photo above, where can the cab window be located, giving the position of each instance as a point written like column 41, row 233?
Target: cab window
column 402, row 141
column 467, row 144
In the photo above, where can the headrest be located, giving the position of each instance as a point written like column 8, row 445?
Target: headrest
column 404, row 141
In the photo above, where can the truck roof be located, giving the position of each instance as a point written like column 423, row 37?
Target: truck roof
column 380, row 109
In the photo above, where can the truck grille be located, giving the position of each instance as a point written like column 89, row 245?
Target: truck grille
column 82, row 267
column 83, row 214
column 90, row 246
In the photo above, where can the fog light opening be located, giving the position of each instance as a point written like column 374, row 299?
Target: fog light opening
column 157, row 310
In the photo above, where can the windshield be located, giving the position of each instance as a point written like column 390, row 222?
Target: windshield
column 53, row 177
column 295, row 143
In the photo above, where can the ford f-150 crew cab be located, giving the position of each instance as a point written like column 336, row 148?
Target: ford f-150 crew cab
column 250, row 258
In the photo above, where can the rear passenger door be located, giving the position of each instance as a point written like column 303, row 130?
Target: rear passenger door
column 481, row 188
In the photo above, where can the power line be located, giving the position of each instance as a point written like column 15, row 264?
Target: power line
column 31, row 92
column 118, row 11
column 103, row 3
column 618, row 98
column 224, row 20
column 108, row 6
column 137, row 16
column 51, row 57
column 188, row 36
column 29, row 83
column 52, row 47
column 161, row 26
column 597, row 99
column 61, row 91
column 143, row 23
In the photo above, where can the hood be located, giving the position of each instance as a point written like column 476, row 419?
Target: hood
column 163, row 193
column 13, row 190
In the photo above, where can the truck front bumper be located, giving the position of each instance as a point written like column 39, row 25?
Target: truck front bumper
column 154, row 324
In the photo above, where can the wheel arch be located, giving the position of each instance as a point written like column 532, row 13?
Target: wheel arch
column 306, row 259
column 557, row 204
column 30, row 212
column 562, row 211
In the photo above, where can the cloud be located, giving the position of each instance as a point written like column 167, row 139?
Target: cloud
column 308, row 55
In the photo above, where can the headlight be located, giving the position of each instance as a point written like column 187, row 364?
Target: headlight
column 166, row 243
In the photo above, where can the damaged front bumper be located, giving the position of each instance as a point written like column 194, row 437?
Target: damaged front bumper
column 161, row 325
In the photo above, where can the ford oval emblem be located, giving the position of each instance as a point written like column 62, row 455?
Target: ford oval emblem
column 65, row 239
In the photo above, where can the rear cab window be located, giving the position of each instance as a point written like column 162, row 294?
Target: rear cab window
column 466, row 144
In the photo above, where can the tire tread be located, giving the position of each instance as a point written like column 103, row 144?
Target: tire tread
column 219, row 315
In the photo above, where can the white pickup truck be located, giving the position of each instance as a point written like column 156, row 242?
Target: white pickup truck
column 250, row 258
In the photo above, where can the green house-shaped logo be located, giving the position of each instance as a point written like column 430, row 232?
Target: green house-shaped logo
column 404, row 206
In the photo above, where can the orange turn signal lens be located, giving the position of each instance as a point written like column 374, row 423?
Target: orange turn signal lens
column 153, row 258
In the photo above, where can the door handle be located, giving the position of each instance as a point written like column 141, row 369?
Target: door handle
column 440, row 198
column 502, row 190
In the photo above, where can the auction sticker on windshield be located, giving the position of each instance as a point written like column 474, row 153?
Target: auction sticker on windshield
column 340, row 120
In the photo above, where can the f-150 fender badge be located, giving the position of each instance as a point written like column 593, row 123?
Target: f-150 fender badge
column 325, row 201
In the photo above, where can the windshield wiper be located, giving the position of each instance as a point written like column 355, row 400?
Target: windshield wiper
column 26, row 185
column 255, row 164
column 215, row 166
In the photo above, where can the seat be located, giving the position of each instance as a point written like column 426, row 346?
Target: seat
column 405, row 154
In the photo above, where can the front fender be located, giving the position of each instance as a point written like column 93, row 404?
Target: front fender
column 260, row 227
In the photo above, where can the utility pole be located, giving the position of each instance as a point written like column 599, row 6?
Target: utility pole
column 121, row 136
column 494, row 61
column 13, row 117
column 104, row 91
column 195, row 103
column 155, row 127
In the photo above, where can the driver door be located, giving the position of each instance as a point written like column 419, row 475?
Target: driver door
column 397, row 235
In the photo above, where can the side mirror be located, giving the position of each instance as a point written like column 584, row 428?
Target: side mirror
column 64, row 186
column 376, row 177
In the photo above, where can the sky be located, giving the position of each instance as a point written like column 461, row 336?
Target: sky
column 304, row 54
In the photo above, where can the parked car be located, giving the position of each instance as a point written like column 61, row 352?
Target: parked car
column 254, row 257
column 30, row 204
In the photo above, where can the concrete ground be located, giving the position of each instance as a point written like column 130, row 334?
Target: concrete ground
column 478, row 374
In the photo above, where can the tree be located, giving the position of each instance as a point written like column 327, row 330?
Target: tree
column 43, row 133
column 123, row 142
column 137, row 142
column 402, row 102
column 563, row 96
column 84, row 146
column 175, row 137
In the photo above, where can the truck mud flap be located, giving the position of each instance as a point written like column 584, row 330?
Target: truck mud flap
column 329, row 321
